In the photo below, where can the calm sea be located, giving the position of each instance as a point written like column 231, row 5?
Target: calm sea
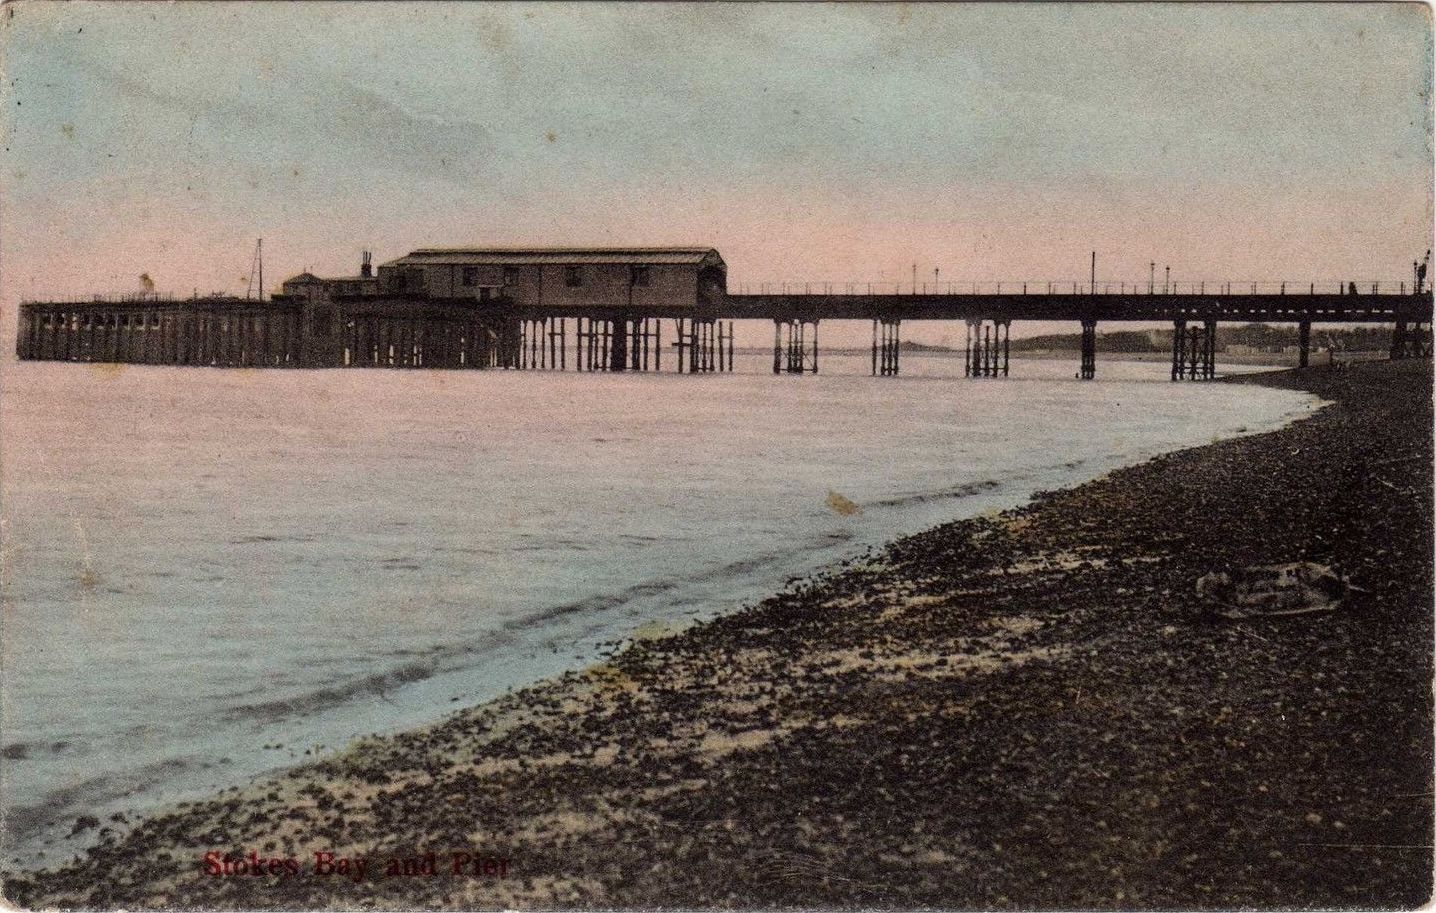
column 209, row 573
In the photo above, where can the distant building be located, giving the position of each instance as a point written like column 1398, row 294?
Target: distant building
column 311, row 288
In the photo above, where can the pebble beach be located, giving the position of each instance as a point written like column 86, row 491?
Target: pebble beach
column 1031, row 709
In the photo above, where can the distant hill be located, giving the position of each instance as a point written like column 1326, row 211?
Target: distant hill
column 1252, row 338
column 907, row 346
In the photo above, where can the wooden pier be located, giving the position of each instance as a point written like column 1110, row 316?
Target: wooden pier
column 519, row 310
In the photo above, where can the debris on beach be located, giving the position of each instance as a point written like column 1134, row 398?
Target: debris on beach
column 84, row 823
column 841, row 505
column 1274, row 590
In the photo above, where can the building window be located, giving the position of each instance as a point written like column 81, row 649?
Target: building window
column 640, row 276
column 572, row 276
column 471, row 275
column 511, row 276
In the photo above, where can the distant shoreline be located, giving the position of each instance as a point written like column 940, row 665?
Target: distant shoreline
column 1034, row 709
column 1270, row 360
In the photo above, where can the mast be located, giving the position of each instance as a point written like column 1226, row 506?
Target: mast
column 256, row 263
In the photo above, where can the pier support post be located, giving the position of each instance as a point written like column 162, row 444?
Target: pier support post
column 618, row 343
column 596, row 344
column 45, row 339
column 887, row 333
column 1194, row 353
column 987, row 351
column 701, row 340
column 966, row 350
column 1088, row 370
column 1398, row 340
column 1179, row 342
column 975, row 358
column 25, row 334
column 233, row 344
column 1006, row 327
column 1194, row 343
column 1209, row 350
column 697, row 356
column 794, row 353
column 22, row 335
column 1304, row 343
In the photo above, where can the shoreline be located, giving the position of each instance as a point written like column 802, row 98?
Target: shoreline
column 1035, row 689
column 465, row 674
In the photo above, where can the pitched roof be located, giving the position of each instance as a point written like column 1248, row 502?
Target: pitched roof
column 498, row 256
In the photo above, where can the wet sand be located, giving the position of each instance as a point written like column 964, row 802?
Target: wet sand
column 1034, row 709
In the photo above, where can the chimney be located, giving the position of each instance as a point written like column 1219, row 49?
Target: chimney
column 366, row 269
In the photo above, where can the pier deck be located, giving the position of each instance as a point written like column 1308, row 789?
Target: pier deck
column 387, row 329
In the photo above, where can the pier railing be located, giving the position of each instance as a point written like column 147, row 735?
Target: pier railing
column 1081, row 287
column 145, row 298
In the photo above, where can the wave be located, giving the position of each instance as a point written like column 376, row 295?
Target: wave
column 961, row 491
column 455, row 657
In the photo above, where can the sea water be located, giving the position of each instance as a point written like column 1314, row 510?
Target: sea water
column 210, row 574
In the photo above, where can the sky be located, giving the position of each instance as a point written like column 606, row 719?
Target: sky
column 829, row 143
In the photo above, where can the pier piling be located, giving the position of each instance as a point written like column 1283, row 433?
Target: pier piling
column 1088, row 369
column 793, row 352
column 887, row 345
column 988, row 349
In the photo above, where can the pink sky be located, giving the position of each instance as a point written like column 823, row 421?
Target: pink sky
column 806, row 143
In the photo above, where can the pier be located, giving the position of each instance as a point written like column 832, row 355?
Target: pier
column 633, row 309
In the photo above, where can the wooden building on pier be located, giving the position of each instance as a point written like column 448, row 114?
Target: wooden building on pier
column 676, row 280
